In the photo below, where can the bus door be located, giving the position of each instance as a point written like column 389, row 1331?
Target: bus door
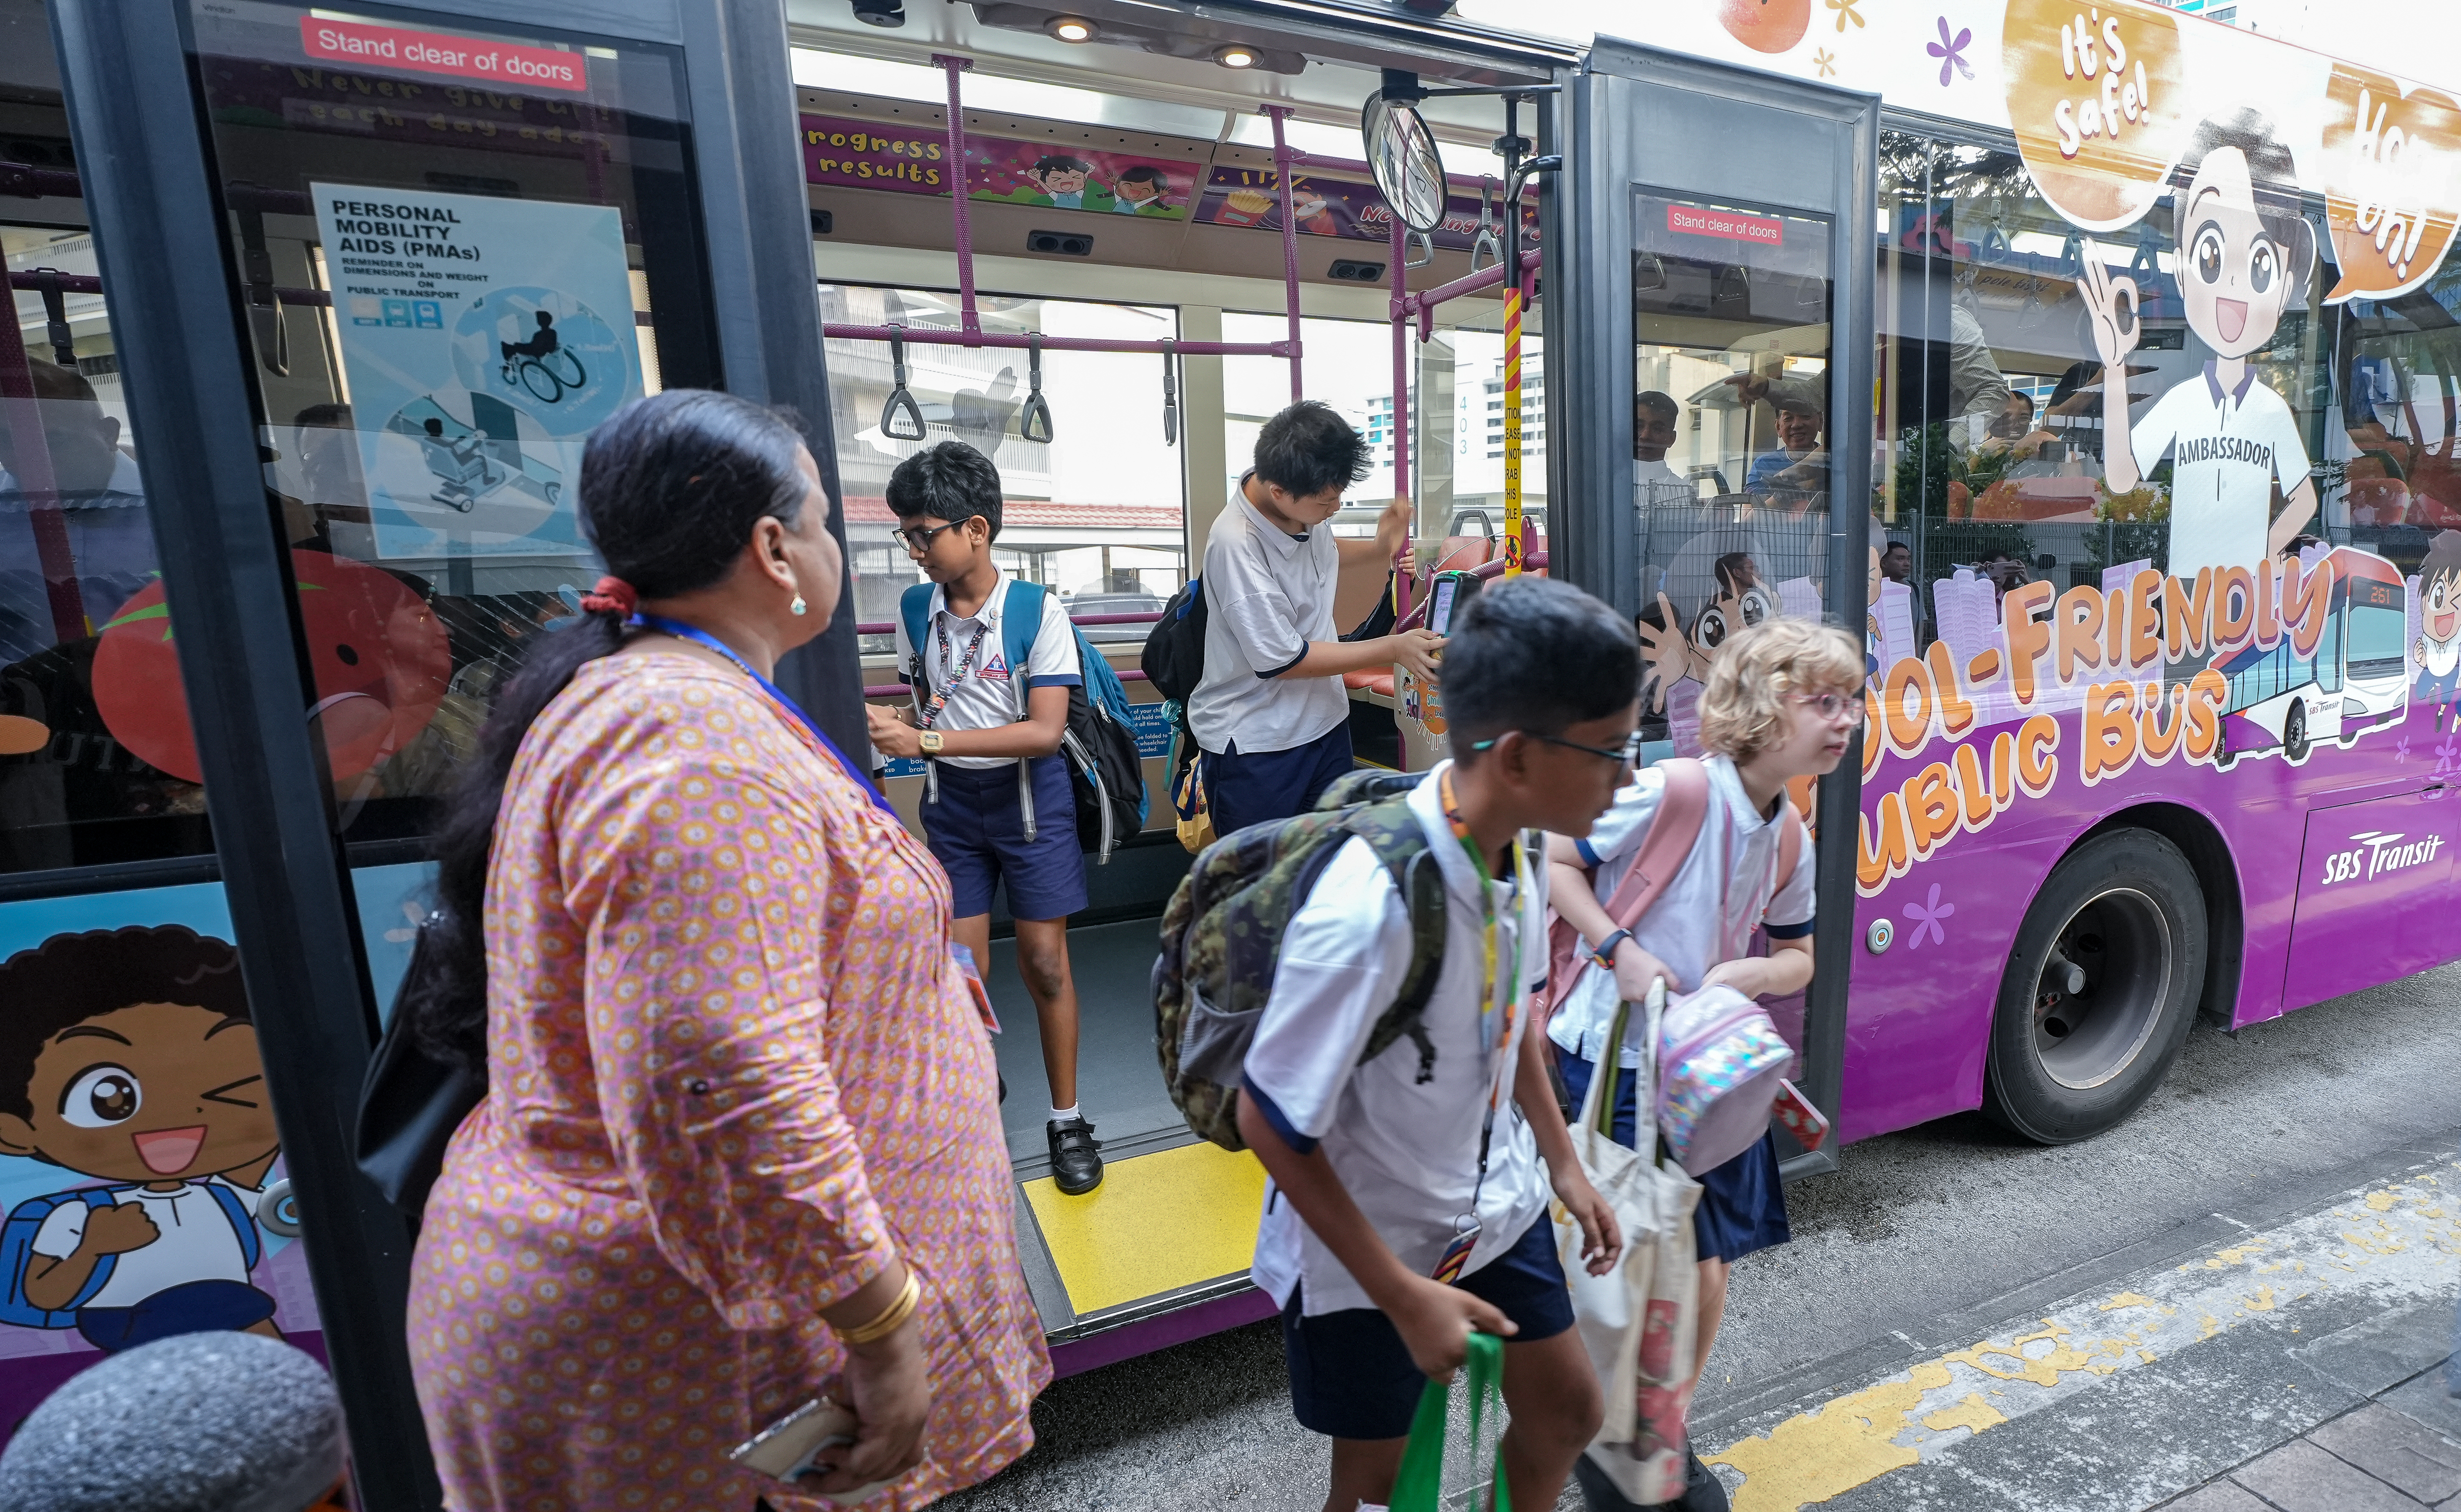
column 1712, row 239
column 376, row 278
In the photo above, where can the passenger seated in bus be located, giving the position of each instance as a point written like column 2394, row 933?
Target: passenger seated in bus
column 1371, row 1163
column 1781, row 703
column 1798, row 465
column 982, row 738
column 1654, row 416
column 1270, row 713
column 101, row 501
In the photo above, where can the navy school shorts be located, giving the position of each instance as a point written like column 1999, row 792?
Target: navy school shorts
column 1241, row 789
column 1742, row 1202
column 1351, row 1375
column 978, row 831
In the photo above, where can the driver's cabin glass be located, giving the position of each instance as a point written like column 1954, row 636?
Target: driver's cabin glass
column 450, row 240
column 1731, row 353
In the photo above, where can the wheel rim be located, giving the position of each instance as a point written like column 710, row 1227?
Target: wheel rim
column 544, row 385
column 2120, row 940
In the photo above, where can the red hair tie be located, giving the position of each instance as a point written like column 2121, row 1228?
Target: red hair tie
column 611, row 596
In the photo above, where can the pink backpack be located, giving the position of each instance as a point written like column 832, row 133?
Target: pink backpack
column 1720, row 1057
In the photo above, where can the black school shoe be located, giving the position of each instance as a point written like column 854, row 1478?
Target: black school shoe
column 1076, row 1157
column 1703, row 1490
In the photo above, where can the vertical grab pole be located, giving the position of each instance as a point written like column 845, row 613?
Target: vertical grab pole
column 1404, row 569
column 1282, row 155
column 1512, row 300
column 962, row 188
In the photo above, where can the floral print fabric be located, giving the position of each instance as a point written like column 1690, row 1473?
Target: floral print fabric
column 733, row 1069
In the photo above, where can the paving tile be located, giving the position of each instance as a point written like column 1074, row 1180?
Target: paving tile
column 2220, row 1496
column 2394, row 1448
column 2384, row 1351
column 2301, row 1478
column 2425, row 1401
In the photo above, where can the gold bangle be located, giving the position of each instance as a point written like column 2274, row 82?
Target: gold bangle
column 891, row 1318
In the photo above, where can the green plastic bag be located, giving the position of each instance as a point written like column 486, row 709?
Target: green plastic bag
column 1419, row 1484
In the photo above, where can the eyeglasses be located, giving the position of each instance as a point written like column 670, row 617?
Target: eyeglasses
column 919, row 539
column 1830, row 706
column 1623, row 756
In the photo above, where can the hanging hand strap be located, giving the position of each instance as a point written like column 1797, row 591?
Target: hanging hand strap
column 1034, row 421
column 1425, row 242
column 1419, row 1485
column 900, row 402
column 1169, row 392
column 1485, row 249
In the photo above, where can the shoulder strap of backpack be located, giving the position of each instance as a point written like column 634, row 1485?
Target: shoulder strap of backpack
column 243, row 1222
column 1021, row 621
column 1399, row 842
column 913, row 606
column 1672, row 831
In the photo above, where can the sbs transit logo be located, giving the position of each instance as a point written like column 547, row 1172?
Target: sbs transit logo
column 2375, row 852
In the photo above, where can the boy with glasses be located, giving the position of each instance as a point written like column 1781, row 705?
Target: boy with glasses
column 1782, row 702
column 947, row 500
column 1409, row 1209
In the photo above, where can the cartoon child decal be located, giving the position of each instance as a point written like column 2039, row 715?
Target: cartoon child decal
column 2244, row 257
column 1139, row 189
column 1061, row 179
column 1677, row 664
column 2437, row 651
column 127, row 1056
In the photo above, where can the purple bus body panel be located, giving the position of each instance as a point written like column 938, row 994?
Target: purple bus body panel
column 1918, row 1016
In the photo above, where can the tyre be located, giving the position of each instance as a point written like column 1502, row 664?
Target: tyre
column 2294, row 731
column 2100, row 987
column 567, row 368
column 544, row 386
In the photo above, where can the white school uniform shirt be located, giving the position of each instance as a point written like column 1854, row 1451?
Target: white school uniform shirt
column 1706, row 913
column 194, row 1241
column 2234, row 444
column 1268, row 594
column 987, row 698
column 1406, row 1153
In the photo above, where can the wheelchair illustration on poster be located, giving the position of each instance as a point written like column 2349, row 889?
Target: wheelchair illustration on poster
column 547, row 354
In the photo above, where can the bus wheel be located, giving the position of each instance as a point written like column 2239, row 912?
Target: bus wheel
column 2294, row 731
column 2100, row 990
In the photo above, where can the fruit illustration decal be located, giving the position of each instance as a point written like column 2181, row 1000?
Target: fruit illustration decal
column 1765, row 25
column 380, row 657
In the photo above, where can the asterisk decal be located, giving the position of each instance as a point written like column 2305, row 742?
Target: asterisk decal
column 1924, row 918
column 2448, row 755
column 2401, row 751
column 1825, row 60
column 1951, row 50
column 1845, row 10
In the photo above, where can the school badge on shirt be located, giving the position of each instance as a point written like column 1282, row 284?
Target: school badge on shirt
column 994, row 671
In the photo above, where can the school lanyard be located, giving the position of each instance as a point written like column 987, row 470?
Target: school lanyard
column 687, row 632
column 1495, row 1047
column 948, row 680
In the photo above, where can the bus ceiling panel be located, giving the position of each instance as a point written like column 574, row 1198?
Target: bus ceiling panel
column 882, row 218
column 1067, row 278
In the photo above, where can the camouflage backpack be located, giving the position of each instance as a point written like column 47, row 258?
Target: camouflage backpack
column 1222, row 934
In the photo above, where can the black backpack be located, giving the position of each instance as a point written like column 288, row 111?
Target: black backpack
column 1174, row 654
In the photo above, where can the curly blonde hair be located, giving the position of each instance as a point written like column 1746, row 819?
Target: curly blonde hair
column 1740, row 708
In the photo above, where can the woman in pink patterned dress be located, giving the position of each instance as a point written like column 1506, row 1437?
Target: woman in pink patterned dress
column 740, row 1145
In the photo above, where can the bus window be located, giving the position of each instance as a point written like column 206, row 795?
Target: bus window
column 1097, row 512
column 95, row 768
column 1730, row 433
column 448, row 285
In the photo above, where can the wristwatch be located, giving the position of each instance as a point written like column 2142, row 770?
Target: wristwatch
column 931, row 742
column 1604, row 954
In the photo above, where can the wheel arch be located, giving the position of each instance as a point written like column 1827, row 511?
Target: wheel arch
column 2209, row 855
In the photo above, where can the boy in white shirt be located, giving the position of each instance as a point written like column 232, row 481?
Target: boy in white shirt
column 1782, row 702
column 1379, row 1178
column 948, row 505
column 1269, row 713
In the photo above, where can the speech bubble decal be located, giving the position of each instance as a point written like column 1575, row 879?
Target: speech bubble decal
column 2098, row 95
column 2391, row 161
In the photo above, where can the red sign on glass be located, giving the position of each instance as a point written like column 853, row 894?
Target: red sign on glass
column 1732, row 225
column 502, row 64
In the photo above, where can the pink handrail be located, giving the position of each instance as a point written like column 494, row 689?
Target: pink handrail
column 927, row 336
column 1422, row 306
column 1533, row 562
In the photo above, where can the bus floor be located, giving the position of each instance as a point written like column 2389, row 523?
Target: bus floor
column 1173, row 1224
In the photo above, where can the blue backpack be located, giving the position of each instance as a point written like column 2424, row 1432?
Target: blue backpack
column 1100, row 743
column 27, row 1219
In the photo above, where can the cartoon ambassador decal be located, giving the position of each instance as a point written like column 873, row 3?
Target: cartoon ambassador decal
column 2437, row 652
column 127, row 1058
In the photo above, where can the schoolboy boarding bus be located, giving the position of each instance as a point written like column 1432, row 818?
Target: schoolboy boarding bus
column 2095, row 321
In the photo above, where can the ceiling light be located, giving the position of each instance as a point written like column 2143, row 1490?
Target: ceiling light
column 1236, row 55
column 880, row 12
column 1070, row 29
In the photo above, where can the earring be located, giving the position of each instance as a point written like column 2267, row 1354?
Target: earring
column 799, row 607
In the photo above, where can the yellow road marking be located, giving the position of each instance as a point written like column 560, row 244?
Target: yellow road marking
column 1157, row 1223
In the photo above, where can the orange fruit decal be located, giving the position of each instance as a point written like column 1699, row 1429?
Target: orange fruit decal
column 1765, row 25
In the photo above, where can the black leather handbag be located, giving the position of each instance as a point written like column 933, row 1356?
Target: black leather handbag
column 412, row 1100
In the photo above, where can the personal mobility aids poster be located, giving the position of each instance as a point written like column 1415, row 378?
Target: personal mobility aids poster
column 482, row 338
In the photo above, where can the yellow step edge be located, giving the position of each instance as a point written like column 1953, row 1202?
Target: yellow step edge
column 1158, row 1222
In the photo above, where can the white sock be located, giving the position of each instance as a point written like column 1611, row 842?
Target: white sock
column 1063, row 1115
